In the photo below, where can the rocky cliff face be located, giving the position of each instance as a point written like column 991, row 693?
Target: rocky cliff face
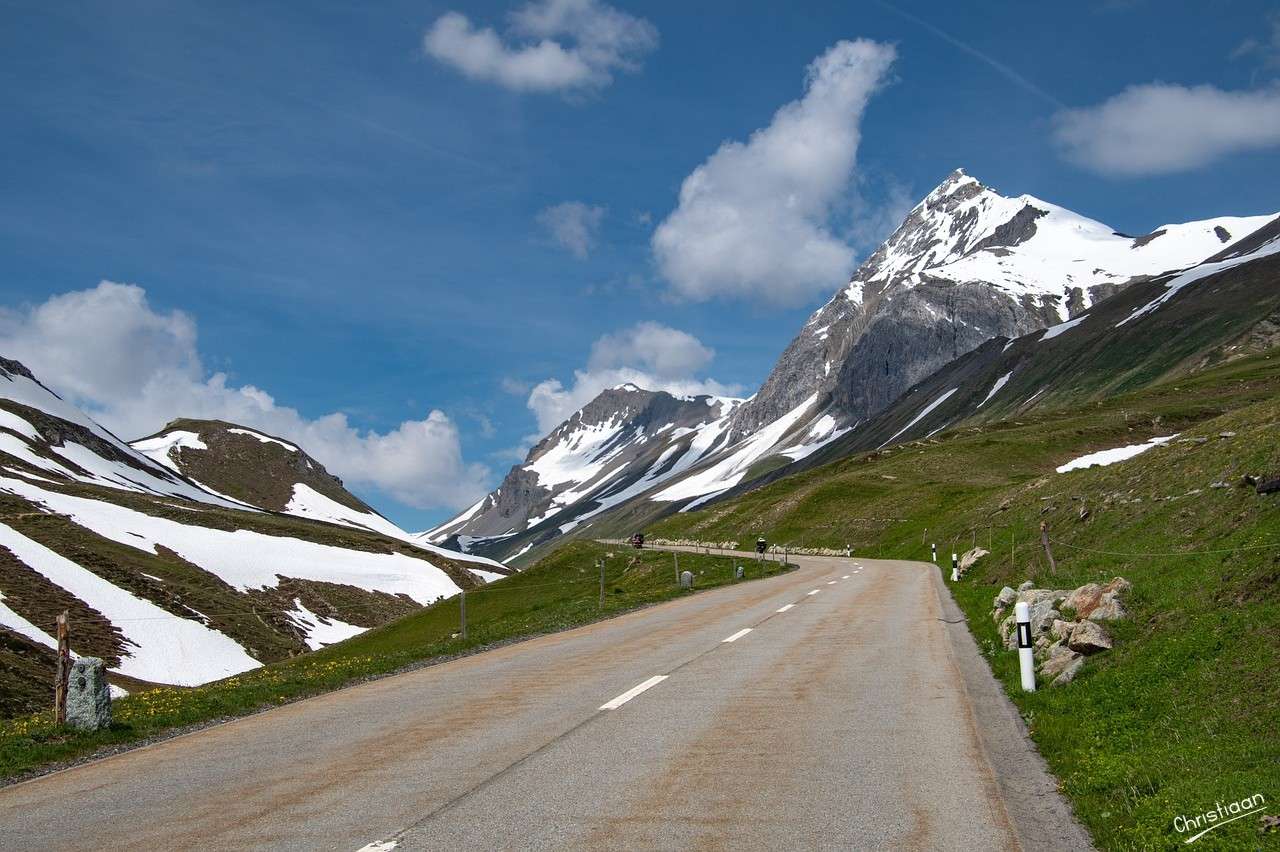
column 966, row 265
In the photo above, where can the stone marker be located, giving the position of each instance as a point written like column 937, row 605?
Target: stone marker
column 686, row 580
column 88, row 695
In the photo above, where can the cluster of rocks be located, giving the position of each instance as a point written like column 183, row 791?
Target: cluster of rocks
column 1065, row 624
column 695, row 543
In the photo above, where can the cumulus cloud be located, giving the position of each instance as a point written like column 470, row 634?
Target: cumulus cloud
column 1161, row 128
column 551, row 46
column 134, row 368
column 649, row 355
column 753, row 221
column 665, row 352
column 573, row 225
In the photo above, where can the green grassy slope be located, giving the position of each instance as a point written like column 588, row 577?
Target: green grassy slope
column 559, row 592
column 1185, row 711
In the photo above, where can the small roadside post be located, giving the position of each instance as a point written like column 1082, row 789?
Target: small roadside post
column 676, row 557
column 462, row 610
column 934, row 550
column 602, row 584
column 1022, row 615
column 63, row 671
column 955, row 569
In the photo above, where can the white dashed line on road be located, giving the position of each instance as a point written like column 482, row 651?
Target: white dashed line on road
column 784, row 608
column 735, row 637
column 831, row 582
column 845, row 577
column 815, row 591
column 633, row 692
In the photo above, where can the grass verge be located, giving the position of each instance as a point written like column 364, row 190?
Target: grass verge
column 560, row 592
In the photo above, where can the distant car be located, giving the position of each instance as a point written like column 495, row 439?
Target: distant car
column 761, row 545
column 637, row 541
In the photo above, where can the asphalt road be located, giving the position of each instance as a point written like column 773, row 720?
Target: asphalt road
column 847, row 712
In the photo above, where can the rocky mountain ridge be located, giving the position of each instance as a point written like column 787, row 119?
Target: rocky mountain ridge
column 967, row 266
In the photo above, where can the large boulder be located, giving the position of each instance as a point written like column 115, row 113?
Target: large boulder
column 1062, row 629
column 1069, row 672
column 967, row 561
column 1043, row 615
column 1059, row 659
column 1082, row 598
column 1098, row 602
column 1089, row 638
column 1035, row 596
column 88, row 695
column 1006, row 598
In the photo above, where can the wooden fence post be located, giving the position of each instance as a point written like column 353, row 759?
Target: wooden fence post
column 63, row 672
column 1048, row 552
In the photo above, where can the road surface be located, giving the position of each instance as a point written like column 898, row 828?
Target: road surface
column 836, row 707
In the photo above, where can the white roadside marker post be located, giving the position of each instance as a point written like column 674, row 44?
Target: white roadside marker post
column 462, row 612
column 1022, row 615
column 934, row 549
column 955, row 569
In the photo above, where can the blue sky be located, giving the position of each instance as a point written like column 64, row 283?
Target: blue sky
column 314, row 205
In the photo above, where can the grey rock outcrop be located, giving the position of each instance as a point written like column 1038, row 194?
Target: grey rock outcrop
column 903, row 315
column 88, row 695
column 1088, row 637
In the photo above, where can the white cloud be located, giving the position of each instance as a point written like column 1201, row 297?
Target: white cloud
column 667, row 353
column 573, row 225
column 559, row 46
column 649, row 355
column 753, row 220
column 1160, row 128
column 134, row 369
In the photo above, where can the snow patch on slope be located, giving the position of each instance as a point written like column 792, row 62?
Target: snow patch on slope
column 729, row 471
column 1102, row 458
column 243, row 558
column 163, row 448
column 166, row 648
column 266, row 439
column 1204, row 270
column 995, row 389
column 924, row 412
